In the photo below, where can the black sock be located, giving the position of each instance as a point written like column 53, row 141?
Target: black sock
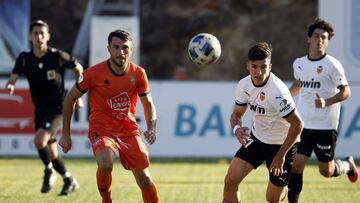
column 295, row 187
column 45, row 156
column 59, row 166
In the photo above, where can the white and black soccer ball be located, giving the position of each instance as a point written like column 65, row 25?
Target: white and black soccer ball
column 204, row 49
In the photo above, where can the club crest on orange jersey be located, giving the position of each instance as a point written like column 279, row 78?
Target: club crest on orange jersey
column 132, row 79
column 319, row 69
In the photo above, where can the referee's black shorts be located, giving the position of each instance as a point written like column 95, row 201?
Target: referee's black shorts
column 48, row 119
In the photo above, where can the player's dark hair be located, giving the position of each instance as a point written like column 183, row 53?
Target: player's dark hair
column 39, row 23
column 260, row 51
column 321, row 24
column 122, row 34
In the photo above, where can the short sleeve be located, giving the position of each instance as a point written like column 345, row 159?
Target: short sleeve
column 284, row 103
column 295, row 68
column 241, row 98
column 83, row 83
column 69, row 62
column 143, row 83
column 338, row 74
column 19, row 64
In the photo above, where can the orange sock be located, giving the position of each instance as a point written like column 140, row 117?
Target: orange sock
column 150, row 194
column 104, row 179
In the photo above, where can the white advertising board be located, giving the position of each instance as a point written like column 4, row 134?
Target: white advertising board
column 193, row 121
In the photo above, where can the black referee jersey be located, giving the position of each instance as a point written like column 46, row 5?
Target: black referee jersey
column 45, row 75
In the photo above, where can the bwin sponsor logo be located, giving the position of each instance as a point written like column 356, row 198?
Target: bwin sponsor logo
column 255, row 108
column 310, row 84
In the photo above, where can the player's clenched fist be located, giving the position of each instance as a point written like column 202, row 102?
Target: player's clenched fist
column 65, row 143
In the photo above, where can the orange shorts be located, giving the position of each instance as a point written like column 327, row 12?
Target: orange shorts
column 132, row 150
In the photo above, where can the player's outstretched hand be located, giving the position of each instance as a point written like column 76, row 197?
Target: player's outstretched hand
column 150, row 136
column 65, row 143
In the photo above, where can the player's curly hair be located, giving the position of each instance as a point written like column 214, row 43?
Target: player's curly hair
column 321, row 24
column 260, row 51
column 122, row 34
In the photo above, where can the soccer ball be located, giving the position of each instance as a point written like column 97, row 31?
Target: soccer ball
column 204, row 49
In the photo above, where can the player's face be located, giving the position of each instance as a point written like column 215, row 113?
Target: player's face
column 120, row 51
column 259, row 70
column 39, row 36
column 319, row 40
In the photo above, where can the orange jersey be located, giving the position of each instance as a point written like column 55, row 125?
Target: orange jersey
column 113, row 98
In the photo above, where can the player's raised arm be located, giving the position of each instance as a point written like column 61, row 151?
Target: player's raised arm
column 69, row 102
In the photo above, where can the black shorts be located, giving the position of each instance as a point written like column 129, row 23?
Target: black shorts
column 323, row 142
column 258, row 152
column 50, row 120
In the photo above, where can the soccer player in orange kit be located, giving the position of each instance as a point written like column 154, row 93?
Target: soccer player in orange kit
column 114, row 86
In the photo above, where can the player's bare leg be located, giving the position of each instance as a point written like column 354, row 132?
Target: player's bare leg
column 237, row 171
column 105, row 160
column 275, row 194
column 147, row 186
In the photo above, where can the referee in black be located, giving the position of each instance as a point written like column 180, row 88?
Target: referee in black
column 44, row 68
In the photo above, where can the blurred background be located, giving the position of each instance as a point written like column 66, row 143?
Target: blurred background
column 165, row 28
column 193, row 103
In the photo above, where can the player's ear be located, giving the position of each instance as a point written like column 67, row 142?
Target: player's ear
column 248, row 65
column 308, row 40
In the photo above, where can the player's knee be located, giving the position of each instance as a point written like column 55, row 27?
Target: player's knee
column 105, row 166
column 275, row 199
column 230, row 183
column 145, row 182
column 39, row 144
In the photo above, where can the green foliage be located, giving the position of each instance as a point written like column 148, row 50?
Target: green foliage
column 178, row 181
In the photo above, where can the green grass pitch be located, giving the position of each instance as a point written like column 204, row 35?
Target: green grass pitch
column 178, row 181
